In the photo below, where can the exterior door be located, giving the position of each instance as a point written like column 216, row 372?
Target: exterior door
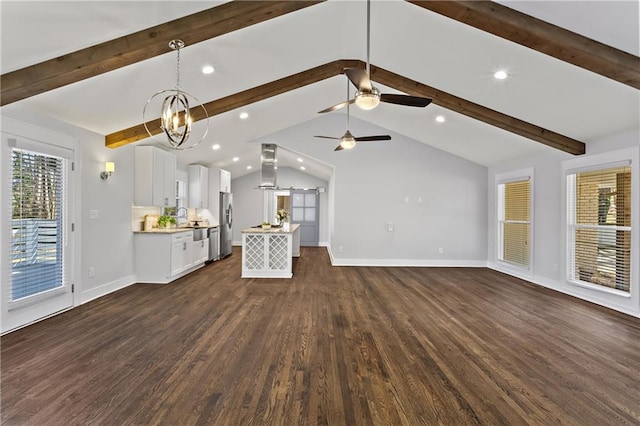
column 305, row 212
column 37, row 252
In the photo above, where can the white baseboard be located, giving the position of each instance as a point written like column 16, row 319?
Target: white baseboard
column 104, row 289
column 419, row 263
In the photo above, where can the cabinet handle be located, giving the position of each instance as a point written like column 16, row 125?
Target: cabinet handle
column 184, row 245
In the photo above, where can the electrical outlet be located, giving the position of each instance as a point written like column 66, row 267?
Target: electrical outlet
column 419, row 199
column 406, row 199
column 340, row 249
column 440, row 250
column 389, row 227
column 93, row 214
column 92, row 272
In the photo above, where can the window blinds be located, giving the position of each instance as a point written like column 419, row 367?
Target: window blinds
column 37, row 223
column 515, row 222
column 599, row 227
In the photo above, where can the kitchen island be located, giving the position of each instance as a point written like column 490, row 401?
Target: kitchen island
column 269, row 253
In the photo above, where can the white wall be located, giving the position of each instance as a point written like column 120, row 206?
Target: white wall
column 446, row 207
column 248, row 202
column 548, row 221
column 106, row 242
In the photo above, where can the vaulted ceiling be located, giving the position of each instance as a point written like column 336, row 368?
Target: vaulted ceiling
column 94, row 64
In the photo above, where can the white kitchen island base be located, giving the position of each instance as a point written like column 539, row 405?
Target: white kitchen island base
column 269, row 253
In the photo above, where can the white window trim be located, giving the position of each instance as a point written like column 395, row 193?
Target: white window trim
column 603, row 295
column 507, row 177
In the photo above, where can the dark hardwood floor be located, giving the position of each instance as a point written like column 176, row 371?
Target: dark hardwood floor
column 344, row 345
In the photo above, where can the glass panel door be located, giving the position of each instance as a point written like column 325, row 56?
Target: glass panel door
column 38, row 281
column 304, row 211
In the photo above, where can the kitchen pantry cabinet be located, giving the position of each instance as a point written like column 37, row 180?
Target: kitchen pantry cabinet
column 155, row 177
column 198, row 187
column 225, row 181
column 164, row 257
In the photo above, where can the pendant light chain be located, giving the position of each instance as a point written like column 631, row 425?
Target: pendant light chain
column 178, row 71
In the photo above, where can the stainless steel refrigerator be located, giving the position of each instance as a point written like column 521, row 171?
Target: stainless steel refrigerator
column 226, row 222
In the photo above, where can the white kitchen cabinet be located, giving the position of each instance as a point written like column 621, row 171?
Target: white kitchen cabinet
column 162, row 257
column 155, row 177
column 198, row 187
column 181, row 252
column 225, row 181
column 200, row 251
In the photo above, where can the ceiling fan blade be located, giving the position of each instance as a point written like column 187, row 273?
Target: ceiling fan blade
column 407, row 100
column 328, row 137
column 373, row 138
column 339, row 148
column 338, row 106
column 359, row 78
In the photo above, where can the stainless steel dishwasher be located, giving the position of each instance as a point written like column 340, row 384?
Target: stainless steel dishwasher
column 214, row 244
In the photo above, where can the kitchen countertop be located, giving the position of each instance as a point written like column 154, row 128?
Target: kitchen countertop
column 292, row 228
column 175, row 230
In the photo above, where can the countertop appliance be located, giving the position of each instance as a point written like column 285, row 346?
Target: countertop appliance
column 226, row 222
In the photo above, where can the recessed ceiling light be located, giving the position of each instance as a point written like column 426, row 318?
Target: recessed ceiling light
column 234, row 159
column 244, row 115
column 215, row 146
column 208, row 69
column 440, row 119
column 300, row 160
column 500, row 75
column 249, row 167
column 303, row 168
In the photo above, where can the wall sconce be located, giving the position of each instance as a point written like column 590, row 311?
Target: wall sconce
column 109, row 167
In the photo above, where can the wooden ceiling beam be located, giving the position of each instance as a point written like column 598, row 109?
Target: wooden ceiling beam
column 380, row 75
column 139, row 46
column 541, row 36
column 238, row 100
column 473, row 110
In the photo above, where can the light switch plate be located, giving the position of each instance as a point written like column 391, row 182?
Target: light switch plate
column 93, row 214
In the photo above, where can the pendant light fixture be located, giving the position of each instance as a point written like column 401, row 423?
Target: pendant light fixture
column 178, row 110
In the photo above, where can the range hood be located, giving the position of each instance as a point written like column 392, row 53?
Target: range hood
column 268, row 166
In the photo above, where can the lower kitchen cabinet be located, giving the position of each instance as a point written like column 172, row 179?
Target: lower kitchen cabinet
column 162, row 257
column 200, row 251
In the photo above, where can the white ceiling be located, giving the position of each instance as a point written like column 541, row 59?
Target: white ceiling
column 405, row 39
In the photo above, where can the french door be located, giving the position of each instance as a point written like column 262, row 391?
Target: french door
column 37, row 247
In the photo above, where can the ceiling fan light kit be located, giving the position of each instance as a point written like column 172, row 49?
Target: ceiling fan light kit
column 176, row 112
column 368, row 100
column 348, row 141
column 368, row 97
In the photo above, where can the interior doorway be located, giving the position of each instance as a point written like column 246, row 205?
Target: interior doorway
column 305, row 211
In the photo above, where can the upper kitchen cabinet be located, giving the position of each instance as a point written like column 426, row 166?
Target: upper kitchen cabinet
column 155, row 177
column 225, row 181
column 198, row 187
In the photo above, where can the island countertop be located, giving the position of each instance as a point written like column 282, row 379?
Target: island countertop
column 272, row 230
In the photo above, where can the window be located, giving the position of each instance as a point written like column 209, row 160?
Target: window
column 514, row 221
column 37, row 223
column 599, row 226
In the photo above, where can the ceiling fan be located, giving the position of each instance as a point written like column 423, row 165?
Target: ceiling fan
column 367, row 96
column 348, row 141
